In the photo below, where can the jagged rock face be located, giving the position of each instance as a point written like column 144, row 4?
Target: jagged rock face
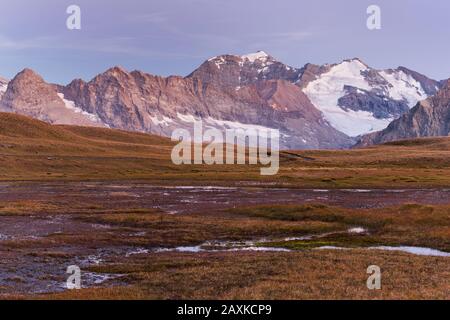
column 369, row 101
column 429, row 118
column 315, row 106
column 429, row 86
column 28, row 94
column 348, row 99
column 234, row 71
column 142, row 102
column 311, row 72
column 294, row 113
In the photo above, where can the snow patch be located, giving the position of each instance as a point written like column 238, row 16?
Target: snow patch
column 165, row 120
column 71, row 106
column 215, row 123
column 187, row 118
column 219, row 62
column 252, row 57
column 3, row 87
column 262, row 58
column 404, row 87
column 236, row 125
column 253, row 130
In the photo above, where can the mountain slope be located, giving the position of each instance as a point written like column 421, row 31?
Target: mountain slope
column 143, row 102
column 429, row 118
column 34, row 150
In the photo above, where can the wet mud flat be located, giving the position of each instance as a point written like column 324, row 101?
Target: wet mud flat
column 187, row 199
column 34, row 261
column 43, row 226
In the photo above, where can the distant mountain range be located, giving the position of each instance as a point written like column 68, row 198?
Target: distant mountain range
column 314, row 107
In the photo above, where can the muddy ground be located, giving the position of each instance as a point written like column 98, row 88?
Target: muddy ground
column 44, row 229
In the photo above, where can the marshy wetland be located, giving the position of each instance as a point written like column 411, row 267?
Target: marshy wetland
column 141, row 240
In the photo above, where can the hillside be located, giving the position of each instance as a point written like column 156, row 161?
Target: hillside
column 34, row 150
column 31, row 149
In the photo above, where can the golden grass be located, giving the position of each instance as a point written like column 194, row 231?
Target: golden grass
column 194, row 229
column 33, row 150
column 409, row 224
column 26, row 207
column 306, row 273
column 299, row 275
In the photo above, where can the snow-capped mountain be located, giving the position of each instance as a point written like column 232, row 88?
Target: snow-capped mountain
column 143, row 102
column 429, row 118
column 316, row 106
column 236, row 71
column 353, row 97
column 356, row 99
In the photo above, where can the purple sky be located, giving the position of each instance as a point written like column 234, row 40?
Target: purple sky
column 175, row 36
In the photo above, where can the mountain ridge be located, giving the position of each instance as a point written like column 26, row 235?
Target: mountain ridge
column 230, row 91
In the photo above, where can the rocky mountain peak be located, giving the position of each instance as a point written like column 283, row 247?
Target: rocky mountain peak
column 28, row 89
column 259, row 55
column 28, row 94
column 116, row 70
column 356, row 60
column 27, row 75
column 235, row 71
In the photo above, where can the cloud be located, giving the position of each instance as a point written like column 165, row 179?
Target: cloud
column 290, row 36
column 111, row 45
column 153, row 18
column 38, row 42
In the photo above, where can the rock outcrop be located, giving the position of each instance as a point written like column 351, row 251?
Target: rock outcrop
column 28, row 94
